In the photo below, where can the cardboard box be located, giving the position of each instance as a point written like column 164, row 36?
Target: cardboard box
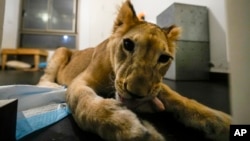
column 8, row 115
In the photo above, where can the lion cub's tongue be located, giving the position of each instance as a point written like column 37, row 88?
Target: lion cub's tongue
column 159, row 105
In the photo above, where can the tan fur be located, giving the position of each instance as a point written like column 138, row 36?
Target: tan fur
column 130, row 64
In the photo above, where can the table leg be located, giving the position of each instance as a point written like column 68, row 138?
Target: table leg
column 4, row 58
column 36, row 62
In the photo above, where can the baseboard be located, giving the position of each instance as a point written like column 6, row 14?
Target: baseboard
column 215, row 76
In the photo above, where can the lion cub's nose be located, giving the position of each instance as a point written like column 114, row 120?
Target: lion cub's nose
column 132, row 94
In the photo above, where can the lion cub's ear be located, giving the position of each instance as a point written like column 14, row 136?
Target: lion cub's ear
column 126, row 17
column 173, row 32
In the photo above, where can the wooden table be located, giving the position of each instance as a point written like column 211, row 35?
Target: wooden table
column 37, row 53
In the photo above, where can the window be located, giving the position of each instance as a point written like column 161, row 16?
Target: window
column 48, row 24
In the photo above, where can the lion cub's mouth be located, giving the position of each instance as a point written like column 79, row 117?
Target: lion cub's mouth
column 135, row 103
column 130, row 103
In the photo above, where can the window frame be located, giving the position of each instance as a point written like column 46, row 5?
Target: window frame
column 47, row 31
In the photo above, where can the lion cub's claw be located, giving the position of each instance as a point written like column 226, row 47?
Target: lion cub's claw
column 154, row 135
column 144, row 132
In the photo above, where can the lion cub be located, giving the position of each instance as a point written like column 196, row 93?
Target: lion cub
column 129, row 66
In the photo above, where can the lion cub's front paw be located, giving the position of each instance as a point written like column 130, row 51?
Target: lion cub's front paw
column 126, row 126
column 139, row 131
column 218, row 127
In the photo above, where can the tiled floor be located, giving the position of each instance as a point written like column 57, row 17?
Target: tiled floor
column 211, row 93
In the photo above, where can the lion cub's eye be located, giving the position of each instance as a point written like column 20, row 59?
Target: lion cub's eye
column 164, row 58
column 129, row 45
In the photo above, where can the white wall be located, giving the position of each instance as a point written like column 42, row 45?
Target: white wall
column 2, row 8
column 217, row 22
column 95, row 21
column 238, row 42
column 11, row 24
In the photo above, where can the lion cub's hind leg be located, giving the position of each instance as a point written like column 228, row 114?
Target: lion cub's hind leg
column 59, row 59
